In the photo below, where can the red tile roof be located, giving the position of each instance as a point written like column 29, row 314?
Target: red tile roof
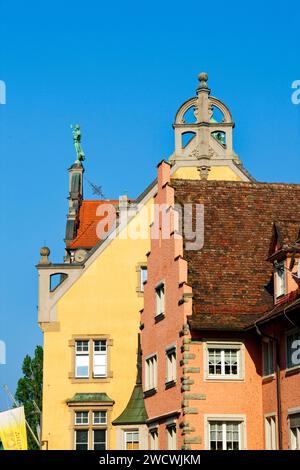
column 88, row 220
column 230, row 274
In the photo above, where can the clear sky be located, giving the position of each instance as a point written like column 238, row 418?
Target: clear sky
column 121, row 69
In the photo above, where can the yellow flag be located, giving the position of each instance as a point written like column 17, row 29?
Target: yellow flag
column 13, row 429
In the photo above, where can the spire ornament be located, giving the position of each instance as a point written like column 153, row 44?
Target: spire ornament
column 202, row 77
column 77, row 143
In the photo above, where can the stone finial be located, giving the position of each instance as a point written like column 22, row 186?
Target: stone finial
column 202, row 77
column 44, row 252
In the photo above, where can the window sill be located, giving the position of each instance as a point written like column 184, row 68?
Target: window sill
column 150, row 392
column 159, row 317
column 268, row 378
column 77, row 380
column 223, row 379
column 292, row 371
column 170, row 384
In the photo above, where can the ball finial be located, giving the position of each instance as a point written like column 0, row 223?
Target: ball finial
column 44, row 252
column 203, row 77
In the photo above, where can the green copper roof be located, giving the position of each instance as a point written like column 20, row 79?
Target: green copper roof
column 91, row 397
column 135, row 411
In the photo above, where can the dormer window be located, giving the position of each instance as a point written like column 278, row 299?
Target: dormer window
column 280, row 284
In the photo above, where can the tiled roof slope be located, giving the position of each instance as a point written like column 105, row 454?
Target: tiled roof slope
column 288, row 231
column 230, row 273
column 88, row 220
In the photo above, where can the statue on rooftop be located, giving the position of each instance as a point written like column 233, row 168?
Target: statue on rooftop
column 77, row 140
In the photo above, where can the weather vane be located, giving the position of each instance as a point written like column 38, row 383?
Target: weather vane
column 77, row 144
column 96, row 189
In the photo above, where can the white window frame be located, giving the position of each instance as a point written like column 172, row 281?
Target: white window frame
column 270, row 431
column 171, row 364
column 268, row 349
column 153, row 439
column 287, row 334
column 151, row 372
column 160, row 294
column 222, row 345
column 98, row 429
column 240, row 419
column 143, row 278
column 100, row 354
column 88, row 437
column 171, row 430
column 99, row 411
column 131, row 431
column 82, row 354
column 80, row 412
column 294, row 433
column 280, row 279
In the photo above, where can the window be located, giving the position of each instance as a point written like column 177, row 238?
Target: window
column 171, row 364
column 160, row 299
column 100, row 359
column 91, row 358
column 151, row 373
column 223, row 361
column 81, row 440
column 143, row 277
column 99, row 439
column 82, row 359
column 171, row 437
column 294, row 426
column 153, row 434
column 268, row 357
column 270, row 433
column 224, row 435
column 99, row 417
column 90, row 430
column 81, row 418
column 279, row 279
column 131, row 440
column 293, row 349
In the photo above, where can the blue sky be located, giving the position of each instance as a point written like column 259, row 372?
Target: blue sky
column 121, row 70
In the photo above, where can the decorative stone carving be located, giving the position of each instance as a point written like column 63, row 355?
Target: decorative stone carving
column 204, row 171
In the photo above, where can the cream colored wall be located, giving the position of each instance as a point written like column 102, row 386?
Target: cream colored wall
column 102, row 301
column 216, row 173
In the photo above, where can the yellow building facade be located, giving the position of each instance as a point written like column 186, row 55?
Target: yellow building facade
column 91, row 318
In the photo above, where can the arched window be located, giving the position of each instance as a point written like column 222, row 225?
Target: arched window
column 220, row 137
column 189, row 116
column 216, row 114
column 56, row 280
column 186, row 138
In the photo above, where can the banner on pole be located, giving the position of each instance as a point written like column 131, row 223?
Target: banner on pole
column 13, row 429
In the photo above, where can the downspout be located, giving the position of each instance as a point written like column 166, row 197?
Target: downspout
column 278, row 391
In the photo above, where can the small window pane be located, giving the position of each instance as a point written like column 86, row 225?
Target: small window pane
column 81, row 417
column 99, row 346
column 99, row 417
column 82, row 366
column 100, row 365
column 99, row 439
column 131, row 440
column 81, row 440
column 143, row 277
column 82, row 346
